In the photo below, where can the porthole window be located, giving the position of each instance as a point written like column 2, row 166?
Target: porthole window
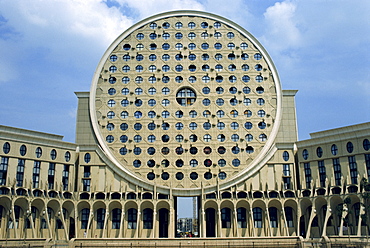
column 136, row 163
column 150, row 176
column 193, row 176
column 123, row 150
column 165, row 150
column 179, row 150
column 235, row 137
column 205, row 46
column 208, row 175
column 334, row 149
column 366, row 144
column 349, row 147
column 165, row 57
column 221, row 150
column 179, row 126
column 151, row 151
column 221, row 162
column 218, row 46
column 205, row 57
column 248, row 125
column 53, row 154
column 206, row 90
column 235, row 149
column 193, row 163
column 222, row 175
column 220, row 113
column 124, row 114
column 138, row 126
column 38, row 152
column 261, row 113
column 217, row 24
column 207, row 162
column 178, row 36
column 235, row 162
column 192, row 56
column 138, row 102
column 179, row 114
column 319, row 152
column 153, row 25
column 257, row 56
column 23, row 150
column 248, row 113
column 6, row 147
column 126, row 57
column 207, row 138
column 139, row 80
column 260, row 101
column 262, row 137
column 221, row 125
column 204, row 35
column 249, row 149
column 220, row 102
column 193, row 138
column 165, row 162
column 165, row 91
column 151, row 114
column 165, row 126
column 87, row 158
column 219, row 79
column 165, row 25
column 207, row 125
column 193, row 125
column 206, row 102
column 179, row 175
column 234, row 125
column 191, row 25
column 166, row 46
column 179, row 163
column 152, row 57
column 305, row 154
column 165, row 138
column 67, row 156
column 137, row 138
column 137, row 150
column 125, row 68
column 285, row 156
column 191, row 35
column 179, row 79
column 262, row 125
column 151, row 138
column 180, row 138
column 249, row 137
column 178, row 25
column 193, row 113
column 140, row 36
column 152, row 102
column 221, row 138
column 124, row 126
column 112, row 80
column 246, row 79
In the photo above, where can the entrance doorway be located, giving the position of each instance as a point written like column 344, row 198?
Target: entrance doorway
column 163, row 223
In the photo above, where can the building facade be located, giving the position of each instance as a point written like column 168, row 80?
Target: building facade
column 185, row 104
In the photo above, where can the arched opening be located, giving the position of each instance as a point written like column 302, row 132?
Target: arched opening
column 210, row 222
column 163, row 222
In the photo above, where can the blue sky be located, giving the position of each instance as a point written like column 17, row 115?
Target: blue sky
column 50, row 49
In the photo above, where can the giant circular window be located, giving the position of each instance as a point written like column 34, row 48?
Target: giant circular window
column 171, row 78
column 185, row 97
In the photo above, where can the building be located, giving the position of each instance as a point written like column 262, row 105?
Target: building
column 185, row 104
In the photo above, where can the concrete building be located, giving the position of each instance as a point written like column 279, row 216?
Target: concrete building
column 185, row 104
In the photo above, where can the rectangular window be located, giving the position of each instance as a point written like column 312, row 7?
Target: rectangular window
column 322, row 172
column 367, row 160
column 116, row 218
column 65, row 177
column 307, row 173
column 286, row 170
column 51, row 175
column 353, row 169
column 3, row 170
column 337, row 172
column 85, row 184
column 287, row 182
column 242, row 217
column 20, row 172
column 36, row 174
column 87, row 171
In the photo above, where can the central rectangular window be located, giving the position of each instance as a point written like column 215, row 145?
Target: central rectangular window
column 3, row 170
column 353, row 169
column 322, row 172
column 65, row 177
column 307, row 173
column 51, row 175
column 367, row 160
column 36, row 174
column 337, row 172
column 20, row 172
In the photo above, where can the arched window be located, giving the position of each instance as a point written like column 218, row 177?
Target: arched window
column 148, row 218
column 273, row 213
column 100, row 217
column 257, row 217
column 289, row 216
column 131, row 218
column 116, row 218
column 84, row 217
column 242, row 217
column 226, row 217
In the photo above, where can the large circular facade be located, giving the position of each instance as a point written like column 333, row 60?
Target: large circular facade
column 186, row 100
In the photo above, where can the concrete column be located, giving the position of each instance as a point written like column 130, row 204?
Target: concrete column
column 121, row 227
column 219, row 223
column 171, row 223
column 202, row 224
column 235, row 223
column 105, row 223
